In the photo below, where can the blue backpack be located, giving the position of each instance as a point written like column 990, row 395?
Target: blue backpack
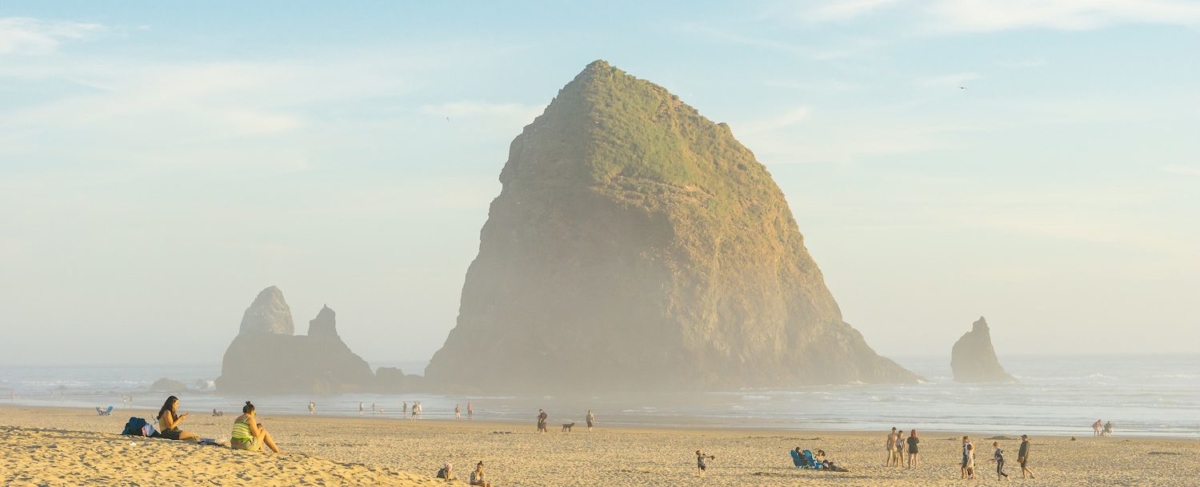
column 138, row 427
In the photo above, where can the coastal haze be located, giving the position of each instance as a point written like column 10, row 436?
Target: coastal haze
column 647, row 216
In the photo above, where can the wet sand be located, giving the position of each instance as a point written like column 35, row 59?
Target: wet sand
column 66, row 446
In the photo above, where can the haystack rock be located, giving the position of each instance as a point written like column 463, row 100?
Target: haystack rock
column 266, row 358
column 973, row 359
column 637, row 245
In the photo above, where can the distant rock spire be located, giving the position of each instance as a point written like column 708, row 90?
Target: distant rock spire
column 324, row 325
column 973, row 359
column 269, row 313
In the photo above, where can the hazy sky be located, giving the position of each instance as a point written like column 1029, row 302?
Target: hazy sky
column 162, row 163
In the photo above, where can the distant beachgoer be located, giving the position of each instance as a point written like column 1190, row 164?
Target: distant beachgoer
column 312, row 408
column 404, row 411
column 701, row 466
column 477, row 476
column 970, row 461
column 372, row 408
column 998, row 457
column 470, row 410
column 966, row 445
column 217, row 413
column 457, row 413
column 1108, row 427
column 900, row 448
column 360, row 408
column 1096, row 428
column 890, row 446
column 416, row 410
column 169, row 419
column 446, row 472
column 591, row 420
column 913, row 451
column 541, row 421
column 249, row 434
column 1023, row 457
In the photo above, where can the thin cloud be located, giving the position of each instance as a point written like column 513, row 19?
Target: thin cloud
column 776, row 122
column 28, row 36
column 1000, row 15
column 472, row 109
column 844, row 10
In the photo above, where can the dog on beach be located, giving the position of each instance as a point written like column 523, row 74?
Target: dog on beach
column 567, row 427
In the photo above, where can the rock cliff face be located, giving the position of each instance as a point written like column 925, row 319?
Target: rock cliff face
column 270, row 360
column 974, row 360
column 637, row 245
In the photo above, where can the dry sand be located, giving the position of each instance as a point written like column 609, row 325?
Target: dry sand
column 59, row 446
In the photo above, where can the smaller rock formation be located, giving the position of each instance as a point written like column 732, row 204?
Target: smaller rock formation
column 974, row 360
column 266, row 358
column 167, row 385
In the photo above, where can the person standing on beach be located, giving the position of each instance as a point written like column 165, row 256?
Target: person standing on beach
column 890, row 445
column 591, row 419
column 700, row 465
column 970, row 461
column 966, row 451
column 312, row 408
column 1108, row 427
column 998, row 457
column 913, row 452
column 1096, row 428
column 541, row 421
column 457, row 413
column 470, row 411
column 360, row 408
column 1023, row 457
column 900, row 448
column 404, row 412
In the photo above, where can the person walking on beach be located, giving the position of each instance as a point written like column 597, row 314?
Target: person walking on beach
column 470, row 411
column 1096, row 428
column 1108, row 427
column 457, row 413
column 591, row 419
column 360, row 408
column 1023, row 457
column 970, row 461
column 700, row 465
column 890, row 446
column 312, row 408
column 998, row 457
column 541, row 421
column 416, row 410
column 913, row 451
column 404, row 411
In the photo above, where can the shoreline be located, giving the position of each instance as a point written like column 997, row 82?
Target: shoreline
column 398, row 452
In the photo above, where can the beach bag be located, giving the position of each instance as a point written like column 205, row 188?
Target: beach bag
column 135, row 427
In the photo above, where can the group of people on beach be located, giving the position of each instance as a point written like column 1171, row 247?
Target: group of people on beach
column 895, row 446
column 543, row 418
column 968, row 459
column 1102, row 429
column 248, row 434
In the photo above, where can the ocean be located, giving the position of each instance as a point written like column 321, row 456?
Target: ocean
column 1143, row 395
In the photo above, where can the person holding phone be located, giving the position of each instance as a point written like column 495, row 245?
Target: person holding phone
column 169, row 419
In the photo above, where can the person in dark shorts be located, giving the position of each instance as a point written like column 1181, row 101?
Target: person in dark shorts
column 591, row 420
column 169, row 419
column 913, row 452
column 998, row 457
column 542, row 417
column 700, row 465
column 1023, row 457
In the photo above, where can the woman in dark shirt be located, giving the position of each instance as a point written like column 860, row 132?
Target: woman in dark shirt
column 913, row 454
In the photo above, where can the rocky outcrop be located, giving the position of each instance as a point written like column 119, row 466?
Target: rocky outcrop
column 270, row 360
column 637, row 245
column 974, row 360
column 269, row 313
column 167, row 385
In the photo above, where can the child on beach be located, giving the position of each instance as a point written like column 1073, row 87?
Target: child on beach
column 169, row 419
column 966, row 444
column 700, row 465
column 970, row 467
column 477, row 476
column 998, row 457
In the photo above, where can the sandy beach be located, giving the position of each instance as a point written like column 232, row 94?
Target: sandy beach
column 66, row 446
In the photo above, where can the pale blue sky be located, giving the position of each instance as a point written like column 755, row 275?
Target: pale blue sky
column 162, row 163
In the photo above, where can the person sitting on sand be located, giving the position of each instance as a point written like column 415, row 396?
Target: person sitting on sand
column 169, row 419
column 477, row 476
column 826, row 463
column 249, row 434
column 446, row 472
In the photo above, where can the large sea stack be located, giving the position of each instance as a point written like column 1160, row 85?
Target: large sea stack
column 974, row 360
column 266, row 358
column 637, row 245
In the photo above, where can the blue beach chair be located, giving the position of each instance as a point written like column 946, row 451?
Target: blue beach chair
column 796, row 458
column 812, row 462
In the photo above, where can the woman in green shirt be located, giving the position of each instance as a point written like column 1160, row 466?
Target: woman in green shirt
column 249, row 434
